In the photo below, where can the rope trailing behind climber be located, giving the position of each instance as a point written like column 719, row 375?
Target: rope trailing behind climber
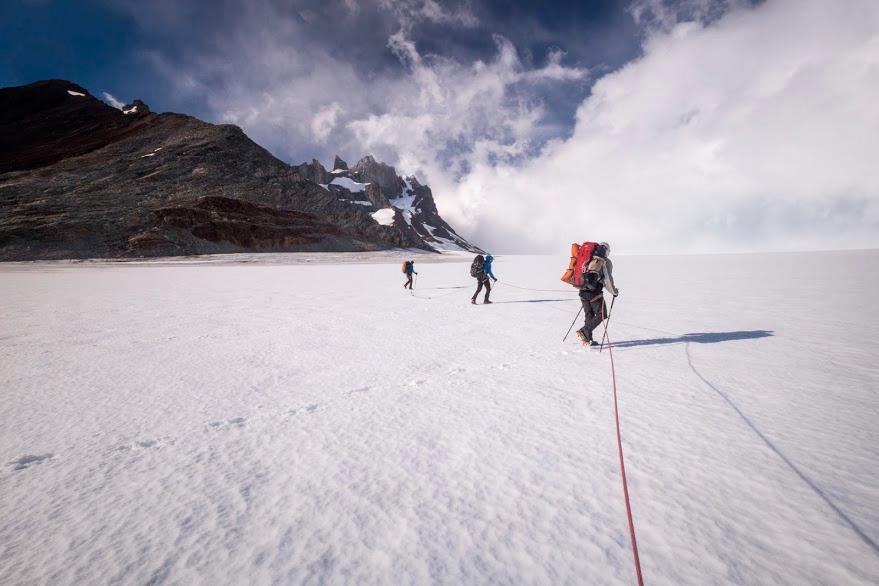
column 591, row 271
column 508, row 284
column 616, row 412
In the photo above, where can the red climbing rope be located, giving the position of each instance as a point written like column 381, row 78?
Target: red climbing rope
column 616, row 411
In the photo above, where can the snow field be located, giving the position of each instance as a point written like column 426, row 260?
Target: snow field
column 265, row 422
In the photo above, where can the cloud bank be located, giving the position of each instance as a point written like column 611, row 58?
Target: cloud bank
column 738, row 127
column 758, row 131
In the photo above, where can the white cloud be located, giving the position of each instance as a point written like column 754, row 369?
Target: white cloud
column 665, row 14
column 738, row 128
column 445, row 116
column 352, row 6
column 759, row 131
column 554, row 70
column 433, row 113
column 324, row 122
column 409, row 12
column 110, row 99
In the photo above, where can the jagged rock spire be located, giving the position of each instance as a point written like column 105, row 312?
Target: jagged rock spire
column 385, row 176
column 136, row 107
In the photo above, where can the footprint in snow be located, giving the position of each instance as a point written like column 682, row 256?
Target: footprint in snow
column 417, row 383
column 144, row 444
column 235, row 421
column 311, row 408
column 360, row 390
column 28, row 460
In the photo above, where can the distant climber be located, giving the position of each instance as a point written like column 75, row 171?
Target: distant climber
column 481, row 270
column 409, row 270
column 596, row 275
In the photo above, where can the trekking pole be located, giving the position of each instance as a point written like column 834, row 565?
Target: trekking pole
column 572, row 323
column 607, row 323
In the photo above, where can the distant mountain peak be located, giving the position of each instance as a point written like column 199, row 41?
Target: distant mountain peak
column 136, row 107
column 402, row 203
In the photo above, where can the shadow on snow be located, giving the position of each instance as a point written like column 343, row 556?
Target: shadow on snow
column 534, row 301
column 698, row 338
column 771, row 445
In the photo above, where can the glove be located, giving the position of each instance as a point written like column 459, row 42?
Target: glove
column 617, row 293
column 495, row 280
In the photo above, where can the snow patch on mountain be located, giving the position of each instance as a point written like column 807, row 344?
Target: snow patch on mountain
column 152, row 154
column 73, row 93
column 405, row 202
column 349, row 184
column 385, row 216
column 444, row 244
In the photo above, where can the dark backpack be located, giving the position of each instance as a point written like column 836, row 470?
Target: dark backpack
column 476, row 266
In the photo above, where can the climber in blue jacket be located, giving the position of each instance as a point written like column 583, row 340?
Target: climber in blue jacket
column 484, row 276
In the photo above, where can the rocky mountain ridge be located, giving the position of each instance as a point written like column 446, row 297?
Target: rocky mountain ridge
column 392, row 200
column 81, row 179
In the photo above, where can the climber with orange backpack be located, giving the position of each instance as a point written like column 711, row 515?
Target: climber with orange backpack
column 591, row 271
column 408, row 270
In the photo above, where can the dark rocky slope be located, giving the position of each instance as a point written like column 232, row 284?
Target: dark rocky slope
column 81, row 179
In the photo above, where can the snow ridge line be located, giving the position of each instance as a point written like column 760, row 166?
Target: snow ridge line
column 616, row 411
column 815, row 488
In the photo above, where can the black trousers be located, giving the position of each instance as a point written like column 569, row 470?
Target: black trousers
column 408, row 282
column 594, row 309
column 486, row 282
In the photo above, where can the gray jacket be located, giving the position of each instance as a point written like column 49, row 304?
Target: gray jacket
column 608, row 277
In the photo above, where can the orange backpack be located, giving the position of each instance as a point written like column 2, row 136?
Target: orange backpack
column 580, row 255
